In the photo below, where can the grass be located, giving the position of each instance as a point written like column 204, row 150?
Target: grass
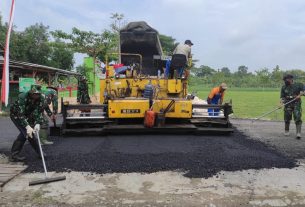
column 249, row 102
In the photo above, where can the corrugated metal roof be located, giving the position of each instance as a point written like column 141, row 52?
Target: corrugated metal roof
column 32, row 66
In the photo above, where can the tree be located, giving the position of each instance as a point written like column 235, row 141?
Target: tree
column 242, row 71
column 116, row 25
column 204, row 71
column 14, row 39
column 33, row 45
column 2, row 34
column 276, row 76
column 168, row 44
column 87, row 42
column 263, row 77
column 93, row 44
column 218, row 78
column 118, row 22
column 81, row 69
column 61, row 56
column 226, row 71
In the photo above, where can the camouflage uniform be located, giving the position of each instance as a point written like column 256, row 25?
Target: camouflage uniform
column 50, row 98
column 83, row 94
column 26, row 111
column 288, row 93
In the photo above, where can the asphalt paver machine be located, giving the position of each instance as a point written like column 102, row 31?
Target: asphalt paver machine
column 143, row 95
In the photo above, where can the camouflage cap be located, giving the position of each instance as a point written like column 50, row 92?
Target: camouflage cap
column 287, row 76
column 35, row 88
column 51, row 87
column 51, row 91
column 83, row 78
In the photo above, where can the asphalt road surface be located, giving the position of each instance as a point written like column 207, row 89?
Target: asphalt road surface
column 253, row 147
column 196, row 156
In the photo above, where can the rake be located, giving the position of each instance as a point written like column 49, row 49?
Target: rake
column 46, row 179
column 269, row 112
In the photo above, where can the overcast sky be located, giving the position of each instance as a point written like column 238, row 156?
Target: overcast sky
column 255, row 33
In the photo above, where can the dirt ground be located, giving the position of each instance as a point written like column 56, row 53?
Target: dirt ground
column 257, row 180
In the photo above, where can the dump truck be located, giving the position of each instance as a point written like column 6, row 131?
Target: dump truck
column 137, row 96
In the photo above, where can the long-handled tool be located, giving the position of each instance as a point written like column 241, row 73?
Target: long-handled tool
column 46, row 178
column 269, row 112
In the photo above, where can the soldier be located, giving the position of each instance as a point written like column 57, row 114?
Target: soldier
column 51, row 97
column 26, row 114
column 83, row 94
column 289, row 92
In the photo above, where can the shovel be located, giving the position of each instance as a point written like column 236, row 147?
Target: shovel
column 46, row 179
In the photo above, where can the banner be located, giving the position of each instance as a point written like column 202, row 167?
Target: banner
column 25, row 84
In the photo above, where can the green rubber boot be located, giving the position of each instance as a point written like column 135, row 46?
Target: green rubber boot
column 43, row 134
column 298, row 131
column 287, row 124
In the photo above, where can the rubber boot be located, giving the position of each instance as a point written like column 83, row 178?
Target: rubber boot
column 35, row 146
column 287, row 128
column 16, row 149
column 298, row 130
column 43, row 135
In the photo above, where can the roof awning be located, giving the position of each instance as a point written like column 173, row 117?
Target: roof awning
column 41, row 68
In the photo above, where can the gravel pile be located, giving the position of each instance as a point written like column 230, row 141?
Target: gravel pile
column 196, row 156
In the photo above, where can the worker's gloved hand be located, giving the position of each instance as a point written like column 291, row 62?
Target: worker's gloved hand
column 301, row 94
column 281, row 103
column 37, row 128
column 29, row 131
column 53, row 117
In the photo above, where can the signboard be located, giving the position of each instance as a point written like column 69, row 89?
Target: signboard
column 25, row 84
column 130, row 111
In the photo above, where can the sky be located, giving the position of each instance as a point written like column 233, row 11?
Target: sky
column 225, row 33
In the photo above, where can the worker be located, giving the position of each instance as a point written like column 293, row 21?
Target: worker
column 292, row 91
column 83, row 94
column 216, row 98
column 26, row 114
column 51, row 97
column 184, row 49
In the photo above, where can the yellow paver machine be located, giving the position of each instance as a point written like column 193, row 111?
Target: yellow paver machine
column 144, row 94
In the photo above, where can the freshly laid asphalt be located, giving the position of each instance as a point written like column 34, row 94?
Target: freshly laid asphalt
column 195, row 156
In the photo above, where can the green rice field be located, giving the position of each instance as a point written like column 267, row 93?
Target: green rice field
column 249, row 102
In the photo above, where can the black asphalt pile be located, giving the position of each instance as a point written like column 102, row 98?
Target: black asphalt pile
column 196, row 156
